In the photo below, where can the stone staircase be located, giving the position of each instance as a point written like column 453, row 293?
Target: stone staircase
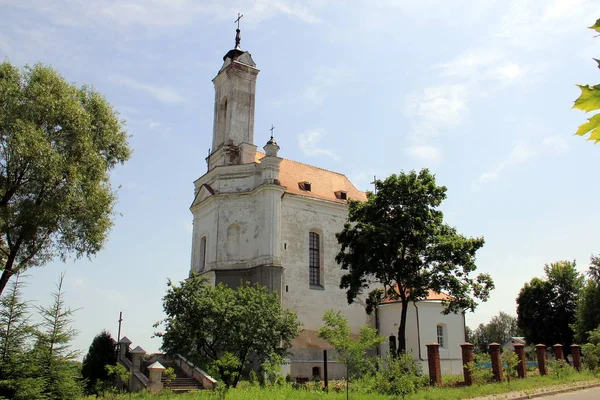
column 182, row 383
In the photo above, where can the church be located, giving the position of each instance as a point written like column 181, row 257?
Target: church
column 262, row 218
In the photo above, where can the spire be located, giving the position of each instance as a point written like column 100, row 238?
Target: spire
column 238, row 38
column 271, row 148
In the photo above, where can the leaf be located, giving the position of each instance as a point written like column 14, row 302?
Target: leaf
column 598, row 61
column 592, row 127
column 596, row 26
column 589, row 100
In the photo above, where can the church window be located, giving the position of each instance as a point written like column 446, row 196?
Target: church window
column 221, row 123
column 314, row 258
column 306, row 186
column 202, row 253
column 440, row 335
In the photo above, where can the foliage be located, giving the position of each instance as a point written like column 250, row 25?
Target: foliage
column 58, row 144
column 100, row 354
column 351, row 351
column 546, row 307
column 270, row 370
column 398, row 238
column 589, row 100
column 499, row 330
column 19, row 377
column 560, row 368
column 479, row 368
column 168, row 375
column 588, row 308
column 206, row 323
column 58, row 368
column 510, row 360
column 591, row 351
column 118, row 372
column 399, row 375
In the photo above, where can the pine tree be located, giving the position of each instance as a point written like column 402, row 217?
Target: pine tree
column 18, row 372
column 53, row 352
column 100, row 354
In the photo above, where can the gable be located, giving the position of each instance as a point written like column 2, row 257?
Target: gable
column 205, row 192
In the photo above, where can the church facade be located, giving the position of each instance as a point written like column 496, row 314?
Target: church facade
column 261, row 218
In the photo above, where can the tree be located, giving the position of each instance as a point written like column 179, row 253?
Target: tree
column 499, row 330
column 351, row 351
column 398, row 239
column 587, row 317
column 546, row 307
column 58, row 144
column 100, row 354
column 589, row 100
column 52, row 350
column 206, row 323
column 19, row 377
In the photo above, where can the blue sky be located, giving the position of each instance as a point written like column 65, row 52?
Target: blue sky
column 479, row 92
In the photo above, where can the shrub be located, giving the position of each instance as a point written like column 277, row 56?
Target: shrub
column 399, row 376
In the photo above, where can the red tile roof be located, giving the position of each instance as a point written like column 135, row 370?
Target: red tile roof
column 324, row 183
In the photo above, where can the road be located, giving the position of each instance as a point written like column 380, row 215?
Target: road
column 587, row 394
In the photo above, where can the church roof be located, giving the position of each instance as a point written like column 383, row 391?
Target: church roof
column 323, row 183
column 431, row 296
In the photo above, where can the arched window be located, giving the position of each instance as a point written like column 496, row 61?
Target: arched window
column 314, row 258
column 221, row 123
column 440, row 335
column 392, row 341
column 202, row 254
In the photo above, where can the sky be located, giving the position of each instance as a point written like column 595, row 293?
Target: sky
column 478, row 92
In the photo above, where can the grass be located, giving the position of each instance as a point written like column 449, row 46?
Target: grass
column 528, row 386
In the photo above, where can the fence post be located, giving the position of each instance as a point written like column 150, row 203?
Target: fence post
column 541, row 356
column 558, row 352
column 496, row 361
column 435, row 369
column 467, row 357
column 521, row 366
column 576, row 353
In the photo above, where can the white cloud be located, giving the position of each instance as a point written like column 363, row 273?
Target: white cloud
column 324, row 78
column 426, row 152
column 164, row 94
column 557, row 143
column 309, row 144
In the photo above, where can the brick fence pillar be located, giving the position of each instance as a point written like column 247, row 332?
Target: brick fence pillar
column 576, row 353
column 540, row 349
column 558, row 352
column 496, row 361
column 521, row 366
column 467, row 357
column 435, row 369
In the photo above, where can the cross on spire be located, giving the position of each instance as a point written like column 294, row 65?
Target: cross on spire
column 272, row 127
column 238, row 38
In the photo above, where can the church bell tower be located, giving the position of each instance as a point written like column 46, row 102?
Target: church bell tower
column 235, row 91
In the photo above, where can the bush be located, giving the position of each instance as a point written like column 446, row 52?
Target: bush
column 398, row 376
column 591, row 351
column 481, row 371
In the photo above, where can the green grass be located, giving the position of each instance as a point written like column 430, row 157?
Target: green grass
column 528, row 385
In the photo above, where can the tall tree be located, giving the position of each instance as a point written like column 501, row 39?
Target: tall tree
column 398, row 239
column 225, row 329
column 100, row 354
column 58, row 144
column 546, row 307
column 499, row 330
column 19, row 377
column 587, row 317
column 53, row 350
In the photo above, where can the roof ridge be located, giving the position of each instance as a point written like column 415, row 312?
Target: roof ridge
column 314, row 166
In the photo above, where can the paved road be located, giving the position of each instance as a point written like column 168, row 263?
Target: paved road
column 587, row 394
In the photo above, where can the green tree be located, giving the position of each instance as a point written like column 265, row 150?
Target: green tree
column 19, row 377
column 100, row 354
column 499, row 330
column 587, row 317
column 207, row 322
column 58, row 144
column 53, row 352
column 589, row 100
column 546, row 307
column 351, row 349
column 397, row 238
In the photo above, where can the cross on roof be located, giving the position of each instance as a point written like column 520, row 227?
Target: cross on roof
column 238, row 20
column 272, row 127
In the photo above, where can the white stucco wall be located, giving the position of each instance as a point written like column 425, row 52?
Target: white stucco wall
column 429, row 316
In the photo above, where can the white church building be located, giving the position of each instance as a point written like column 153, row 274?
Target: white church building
column 262, row 218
